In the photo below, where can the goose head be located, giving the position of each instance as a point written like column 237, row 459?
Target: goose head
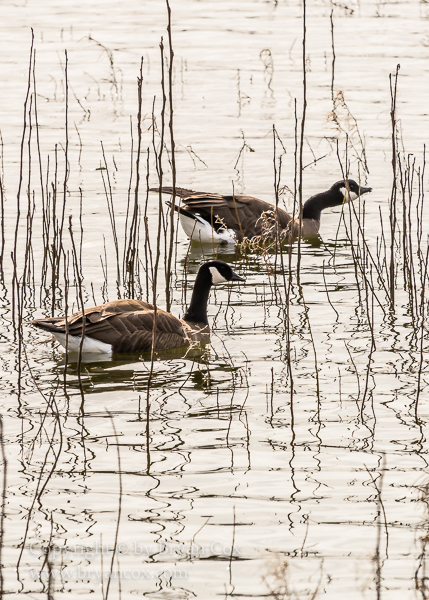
column 221, row 272
column 346, row 191
column 210, row 273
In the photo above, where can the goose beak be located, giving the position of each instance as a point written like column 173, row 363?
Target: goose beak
column 364, row 190
column 236, row 277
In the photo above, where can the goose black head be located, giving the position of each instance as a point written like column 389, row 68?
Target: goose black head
column 213, row 272
column 221, row 272
column 348, row 190
column 340, row 193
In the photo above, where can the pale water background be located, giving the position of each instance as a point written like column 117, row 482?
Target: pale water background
column 237, row 491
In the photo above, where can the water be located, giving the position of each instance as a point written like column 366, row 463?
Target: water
column 229, row 485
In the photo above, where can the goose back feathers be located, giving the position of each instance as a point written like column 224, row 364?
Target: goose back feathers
column 127, row 326
column 207, row 217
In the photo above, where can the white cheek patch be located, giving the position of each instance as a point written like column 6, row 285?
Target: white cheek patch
column 348, row 196
column 216, row 276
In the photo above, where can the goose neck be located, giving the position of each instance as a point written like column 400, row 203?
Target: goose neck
column 312, row 209
column 197, row 311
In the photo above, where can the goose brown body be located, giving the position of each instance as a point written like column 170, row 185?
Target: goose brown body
column 128, row 326
column 240, row 213
column 246, row 217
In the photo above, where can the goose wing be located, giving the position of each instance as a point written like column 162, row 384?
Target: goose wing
column 126, row 325
column 243, row 214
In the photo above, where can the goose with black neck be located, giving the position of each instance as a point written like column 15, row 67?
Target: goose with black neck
column 127, row 326
column 230, row 219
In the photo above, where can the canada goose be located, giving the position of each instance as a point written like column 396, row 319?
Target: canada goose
column 126, row 326
column 222, row 219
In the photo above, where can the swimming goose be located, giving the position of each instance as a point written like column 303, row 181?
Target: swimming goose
column 126, row 326
column 222, row 219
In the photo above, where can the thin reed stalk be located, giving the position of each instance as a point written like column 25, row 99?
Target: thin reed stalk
column 111, row 210
column 4, row 464
column 66, row 311
column 423, row 335
column 15, row 283
column 392, row 203
column 118, row 518
column 333, row 57
column 131, row 256
column 302, row 132
column 168, row 289
column 40, row 487
column 78, row 278
column 2, row 201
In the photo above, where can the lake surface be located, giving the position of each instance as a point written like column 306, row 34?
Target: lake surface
column 289, row 459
